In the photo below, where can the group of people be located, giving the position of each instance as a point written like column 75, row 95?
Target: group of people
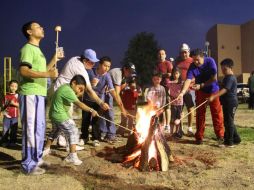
column 192, row 78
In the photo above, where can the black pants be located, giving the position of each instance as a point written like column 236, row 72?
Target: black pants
column 231, row 136
column 251, row 100
column 87, row 119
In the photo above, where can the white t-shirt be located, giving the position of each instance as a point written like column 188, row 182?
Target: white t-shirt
column 73, row 67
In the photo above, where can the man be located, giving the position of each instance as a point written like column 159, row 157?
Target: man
column 119, row 77
column 204, row 71
column 78, row 66
column 251, row 90
column 165, row 68
column 33, row 90
column 183, row 63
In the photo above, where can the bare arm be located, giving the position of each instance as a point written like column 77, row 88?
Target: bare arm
column 220, row 93
column 118, row 100
column 186, row 86
column 84, row 107
column 94, row 97
column 29, row 73
column 16, row 104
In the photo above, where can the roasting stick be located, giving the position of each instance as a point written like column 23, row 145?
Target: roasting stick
column 116, row 124
column 166, row 105
column 57, row 29
column 177, row 121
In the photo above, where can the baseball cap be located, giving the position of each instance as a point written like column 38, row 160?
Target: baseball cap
column 91, row 55
column 184, row 47
column 130, row 66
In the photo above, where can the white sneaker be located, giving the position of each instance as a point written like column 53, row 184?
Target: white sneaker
column 61, row 141
column 78, row 148
column 96, row 143
column 81, row 142
column 46, row 152
column 73, row 158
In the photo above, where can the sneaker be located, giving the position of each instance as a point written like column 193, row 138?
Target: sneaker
column 230, row 146
column 61, row 141
column 103, row 136
column 221, row 142
column 46, row 152
column 78, row 148
column 96, row 143
column 81, row 142
column 43, row 163
column 73, row 158
column 37, row 171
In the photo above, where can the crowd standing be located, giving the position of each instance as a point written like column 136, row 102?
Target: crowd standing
column 191, row 80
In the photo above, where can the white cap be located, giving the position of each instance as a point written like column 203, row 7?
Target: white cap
column 184, row 47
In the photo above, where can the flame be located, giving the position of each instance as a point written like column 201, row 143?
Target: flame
column 144, row 116
column 143, row 122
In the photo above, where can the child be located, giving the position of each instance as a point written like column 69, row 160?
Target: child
column 10, row 119
column 129, row 96
column 156, row 95
column 60, row 118
column 229, row 103
column 104, row 88
column 174, row 88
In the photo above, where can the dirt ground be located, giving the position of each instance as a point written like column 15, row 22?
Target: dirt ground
column 196, row 166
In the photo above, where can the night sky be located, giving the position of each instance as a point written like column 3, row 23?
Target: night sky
column 107, row 25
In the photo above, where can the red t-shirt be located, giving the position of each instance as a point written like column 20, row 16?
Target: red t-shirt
column 164, row 67
column 10, row 111
column 129, row 98
column 184, row 66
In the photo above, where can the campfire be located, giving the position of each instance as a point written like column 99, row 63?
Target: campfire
column 147, row 148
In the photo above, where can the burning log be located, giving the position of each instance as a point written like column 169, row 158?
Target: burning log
column 151, row 154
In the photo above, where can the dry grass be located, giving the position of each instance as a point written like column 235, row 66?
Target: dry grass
column 196, row 167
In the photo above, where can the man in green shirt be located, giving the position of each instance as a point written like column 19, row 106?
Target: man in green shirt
column 33, row 90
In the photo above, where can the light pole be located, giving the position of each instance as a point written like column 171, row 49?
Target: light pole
column 207, row 48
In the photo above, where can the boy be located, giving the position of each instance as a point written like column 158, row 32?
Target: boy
column 33, row 90
column 60, row 118
column 10, row 120
column 129, row 97
column 156, row 95
column 229, row 102
column 104, row 88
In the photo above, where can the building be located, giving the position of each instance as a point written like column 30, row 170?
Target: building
column 235, row 42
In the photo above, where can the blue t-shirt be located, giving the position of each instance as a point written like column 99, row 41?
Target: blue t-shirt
column 230, row 97
column 203, row 73
column 105, row 83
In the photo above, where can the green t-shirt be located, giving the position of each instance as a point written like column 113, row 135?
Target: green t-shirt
column 31, row 56
column 61, row 102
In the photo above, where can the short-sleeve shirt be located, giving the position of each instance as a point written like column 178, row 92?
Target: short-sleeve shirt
column 73, row 67
column 157, row 95
column 10, row 111
column 164, row 67
column 129, row 98
column 61, row 102
column 117, row 76
column 32, row 57
column 184, row 65
column 203, row 73
column 230, row 97
column 174, row 89
column 105, row 83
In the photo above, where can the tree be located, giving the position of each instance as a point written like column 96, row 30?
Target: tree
column 142, row 51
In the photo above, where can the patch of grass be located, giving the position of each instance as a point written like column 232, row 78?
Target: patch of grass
column 246, row 134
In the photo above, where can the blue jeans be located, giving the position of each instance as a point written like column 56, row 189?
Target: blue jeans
column 10, row 127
